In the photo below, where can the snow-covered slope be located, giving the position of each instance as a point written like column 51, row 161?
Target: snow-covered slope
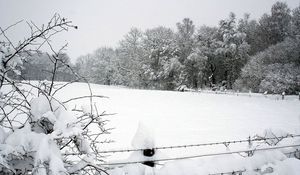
column 179, row 118
column 189, row 117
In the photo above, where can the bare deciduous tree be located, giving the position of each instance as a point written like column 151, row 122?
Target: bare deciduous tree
column 39, row 134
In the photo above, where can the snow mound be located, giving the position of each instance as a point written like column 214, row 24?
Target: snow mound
column 41, row 146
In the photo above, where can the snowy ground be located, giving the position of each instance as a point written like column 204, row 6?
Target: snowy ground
column 179, row 118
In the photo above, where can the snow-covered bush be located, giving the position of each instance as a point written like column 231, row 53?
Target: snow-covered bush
column 281, row 78
column 276, row 69
column 39, row 134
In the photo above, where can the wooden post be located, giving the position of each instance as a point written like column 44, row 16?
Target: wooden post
column 144, row 138
column 282, row 95
column 250, row 153
column 149, row 153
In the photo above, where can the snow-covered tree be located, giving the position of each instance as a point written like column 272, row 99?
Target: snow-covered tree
column 250, row 27
column 194, row 67
column 185, row 38
column 281, row 78
column 105, row 66
column 207, row 43
column 163, row 59
column 280, row 22
column 36, row 67
column 161, row 62
column 39, row 134
column 296, row 21
column 275, row 27
column 83, row 66
column 130, row 56
column 101, row 67
column 233, row 48
column 251, row 74
column 274, row 69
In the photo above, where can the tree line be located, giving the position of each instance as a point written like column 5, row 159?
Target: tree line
column 243, row 54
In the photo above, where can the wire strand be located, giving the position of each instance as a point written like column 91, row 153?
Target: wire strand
column 244, row 170
column 201, row 155
column 203, row 144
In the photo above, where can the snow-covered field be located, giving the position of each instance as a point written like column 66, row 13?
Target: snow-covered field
column 179, row 118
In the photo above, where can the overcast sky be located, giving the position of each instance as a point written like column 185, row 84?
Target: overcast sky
column 105, row 22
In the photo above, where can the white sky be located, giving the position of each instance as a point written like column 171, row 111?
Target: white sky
column 105, row 22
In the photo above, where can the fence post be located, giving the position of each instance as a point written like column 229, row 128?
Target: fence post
column 144, row 139
column 250, row 153
column 282, row 95
column 265, row 94
column 149, row 153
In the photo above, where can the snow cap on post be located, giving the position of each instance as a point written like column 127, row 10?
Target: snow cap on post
column 144, row 137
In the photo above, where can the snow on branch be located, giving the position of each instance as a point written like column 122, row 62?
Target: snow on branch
column 39, row 134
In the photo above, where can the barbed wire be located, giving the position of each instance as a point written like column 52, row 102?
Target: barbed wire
column 201, row 155
column 235, row 172
column 226, row 143
column 240, row 172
